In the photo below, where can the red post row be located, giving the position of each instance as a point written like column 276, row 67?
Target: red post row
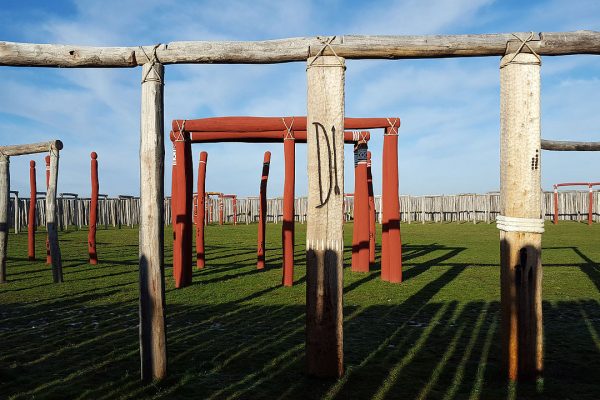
column 32, row 206
column 201, row 211
column 262, row 212
column 93, row 255
column 371, row 211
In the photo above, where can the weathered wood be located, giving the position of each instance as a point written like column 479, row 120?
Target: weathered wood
column 51, row 219
column 324, row 237
column 4, row 201
column 92, row 251
column 262, row 212
column 31, row 148
column 297, row 49
column 556, row 145
column 153, row 351
column 520, row 190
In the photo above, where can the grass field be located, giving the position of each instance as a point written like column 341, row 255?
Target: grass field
column 236, row 333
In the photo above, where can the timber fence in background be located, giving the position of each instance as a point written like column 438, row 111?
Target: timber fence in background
column 73, row 211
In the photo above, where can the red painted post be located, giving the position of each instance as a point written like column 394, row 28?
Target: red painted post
column 385, row 260
column 32, row 205
column 262, row 213
column 395, row 241
column 371, row 211
column 221, row 205
column 201, row 211
column 48, row 256
column 234, row 206
column 590, row 206
column 287, row 228
column 360, row 237
column 555, row 205
column 93, row 255
column 181, row 204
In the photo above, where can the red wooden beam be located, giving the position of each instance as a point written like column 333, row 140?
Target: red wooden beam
column 48, row 256
column 260, row 137
column 287, row 227
column 360, row 234
column 371, row 211
column 201, row 211
column 32, row 206
column 93, row 255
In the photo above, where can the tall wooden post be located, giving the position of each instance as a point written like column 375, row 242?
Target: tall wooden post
column 153, row 351
column 521, row 222
column 201, row 211
column 181, row 206
column 234, row 209
column 360, row 234
column 324, row 237
column 590, row 205
column 31, row 214
column 221, row 209
column 16, row 212
column 4, row 201
column 287, row 227
column 262, row 211
column 48, row 256
column 93, row 255
column 555, row 219
column 51, row 218
column 371, row 211
column 391, row 252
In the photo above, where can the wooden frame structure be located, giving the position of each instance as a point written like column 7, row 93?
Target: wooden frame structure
column 520, row 231
column 54, row 147
column 590, row 198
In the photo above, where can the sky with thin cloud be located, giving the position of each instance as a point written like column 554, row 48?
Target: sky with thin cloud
column 449, row 138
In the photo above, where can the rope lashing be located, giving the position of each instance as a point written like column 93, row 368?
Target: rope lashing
column 179, row 135
column 289, row 134
column 152, row 62
column 516, row 224
column 524, row 43
column 393, row 129
column 326, row 42
column 359, row 137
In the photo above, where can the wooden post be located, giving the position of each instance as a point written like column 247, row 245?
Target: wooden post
column 221, row 206
column 31, row 214
column 360, row 234
column 51, row 218
column 48, row 256
column 555, row 205
column 520, row 222
column 392, row 257
column 234, row 209
column 153, row 351
column 590, row 205
column 262, row 212
column 287, row 227
column 16, row 212
column 201, row 211
column 4, row 201
column 93, row 255
column 181, row 206
column 324, row 238
column 371, row 211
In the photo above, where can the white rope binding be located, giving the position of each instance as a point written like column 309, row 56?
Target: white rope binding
column 516, row 224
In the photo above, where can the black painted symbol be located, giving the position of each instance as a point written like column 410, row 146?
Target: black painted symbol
column 324, row 195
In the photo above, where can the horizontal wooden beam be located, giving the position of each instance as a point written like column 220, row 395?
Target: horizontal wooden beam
column 299, row 49
column 556, row 145
column 350, row 137
column 32, row 148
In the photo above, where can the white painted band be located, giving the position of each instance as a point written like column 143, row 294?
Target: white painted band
column 516, row 224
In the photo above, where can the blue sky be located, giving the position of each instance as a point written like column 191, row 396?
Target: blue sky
column 449, row 108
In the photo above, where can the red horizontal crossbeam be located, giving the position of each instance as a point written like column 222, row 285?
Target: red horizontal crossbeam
column 261, row 124
column 262, row 136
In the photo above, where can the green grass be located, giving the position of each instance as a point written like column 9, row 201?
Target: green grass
column 236, row 333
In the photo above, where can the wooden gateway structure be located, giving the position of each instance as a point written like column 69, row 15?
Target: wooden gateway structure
column 520, row 223
column 53, row 147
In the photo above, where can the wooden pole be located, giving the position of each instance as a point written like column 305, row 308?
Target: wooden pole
column 4, row 201
column 556, row 145
column 288, row 225
column 48, row 256
column 590, row 205
column 93, row 255
column 371, row 211
column 555, row 220
column 262, row 212
column 360, row 234
column 391, row 204
column 153, row 350
column 31, row 214
column 201, row 211
column 51, row 218
column 221, row 206
column 520, row 190
column 324, row 237
column 16, row 212
column 181, row 206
